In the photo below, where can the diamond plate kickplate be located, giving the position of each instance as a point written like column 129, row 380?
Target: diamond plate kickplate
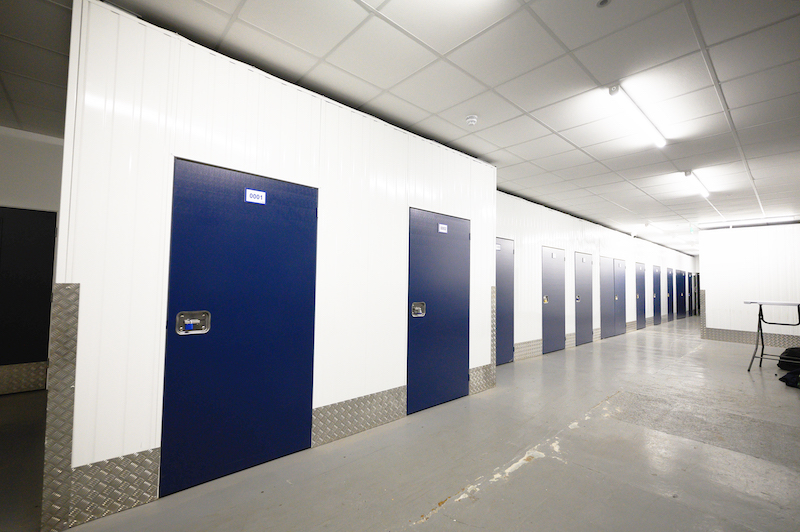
column 15, row 378
column 630, row 327
column 481, row 379
column 60, row 401
column 742, row 337
column 569, row 340
column 111, row 486
column 494, row 327
column 595, row 335
column 529, row 349
column 339, row 420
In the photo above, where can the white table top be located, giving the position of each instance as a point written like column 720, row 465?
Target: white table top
column 776, row 303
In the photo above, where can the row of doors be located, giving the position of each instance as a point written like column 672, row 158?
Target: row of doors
column 240, row 321
column 612, row 298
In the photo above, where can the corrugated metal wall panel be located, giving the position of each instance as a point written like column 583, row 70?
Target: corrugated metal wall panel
column 146, row 96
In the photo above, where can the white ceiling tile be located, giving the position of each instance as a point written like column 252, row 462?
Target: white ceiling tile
column 33, row 62
column 197, row 21
column 678, row 150
column 34, row 92
column 51, row 23
column 689, row 106
column 520, row 42
column 228, row 6
column 563, row 160
column 380, row 54
column 540, row 180
column 552, row 188
column 438, row 128
column 394, row 110
column 648, row 43
column 790, row 171
column 681, row 76
column 473, row 145
column 767, row 85
column 464, row 19
column 39, row 120
column 490, row 109
column 501, row 158
column 612, row 188
column 757, row 51
column 266, row 52
column 770, row 132
column 766, row 112
column 708, row 159
column 547, row 84
column 316, row 26
column 705, row 126
column 720, row 20
column 577, row 23
column 584, row 170
column 339, row 85
column 639, row 172
column 643, row 158
column 587, row 107
column 565, row 197
column 602, row 130
column 669, row 178
column 437, row 87
column 619, row 147
column 514, row 131
column 720, row 170
column 518, row 171
column 760, row 161
column 541, row 147
column 597, row 180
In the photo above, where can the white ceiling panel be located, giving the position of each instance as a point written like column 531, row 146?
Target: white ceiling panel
column 757, row 51
column 620, row 147
column 602, row 130
column 767, row 85
column 339, row 85
column 689, row 106
column 634, row 160
column 552, row 188
column 720, row 19
column 518, row 171
column 538, row 180
column 770, row 132
column 228, row 6
column 265, row 51
column 587, row 107
column 464, row 19
column 473, row 144
column 541, row 147
column 519, row 40
column 577, row 22
column 766, row 112
column 658, row 39
column 678, row 150
column 547, row 84
column 316, row 26
column 444, row 131
column 33, row 62
column 597, row 180
column 658, row 169
column 438, row 86
column 563, row 160
column 705, row 126
column 707, row 159
column 776, row 159
column 198, row 21
column 675, row 78
column 583, row 170
column 394, row 109
column 490, row 109
column 33, row 92
column 380, row 54
column 514, row 131
column 790, row 170
column 502, row 158
column 53, row 21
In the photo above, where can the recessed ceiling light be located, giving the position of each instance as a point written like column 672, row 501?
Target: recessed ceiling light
column 603, row 3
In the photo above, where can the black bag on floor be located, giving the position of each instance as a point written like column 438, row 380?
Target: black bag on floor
column 791, row 378
column 790, row 359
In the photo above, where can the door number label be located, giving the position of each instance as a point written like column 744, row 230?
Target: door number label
column 442, row 228
column 255, row 196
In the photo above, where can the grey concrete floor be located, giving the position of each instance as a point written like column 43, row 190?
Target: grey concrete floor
column 654, row 430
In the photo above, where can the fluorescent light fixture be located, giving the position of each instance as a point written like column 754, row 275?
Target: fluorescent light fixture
column 747, row 223
column 692, row 177
column 629, row 107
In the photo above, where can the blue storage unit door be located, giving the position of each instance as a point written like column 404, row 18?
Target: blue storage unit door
column 670, row 296
column 504, row 302
column 553, row 300
column 583, row 298
column 641, row 321
column 690, row 300
column 240, row 323
column 438, row 309
column 680, row 288
column 656, row 295
column 619, row 297
column 607, row 325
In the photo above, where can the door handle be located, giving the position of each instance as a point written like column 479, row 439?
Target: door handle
column 418, row 309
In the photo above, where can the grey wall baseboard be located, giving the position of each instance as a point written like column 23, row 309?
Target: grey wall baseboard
column 523, row 350
column 742, row 337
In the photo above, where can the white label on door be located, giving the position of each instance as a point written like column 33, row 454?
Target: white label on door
column 497, row 247
column 255, row 196
column 442, row 228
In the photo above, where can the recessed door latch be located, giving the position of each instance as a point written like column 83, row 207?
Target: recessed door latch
column 193, row 322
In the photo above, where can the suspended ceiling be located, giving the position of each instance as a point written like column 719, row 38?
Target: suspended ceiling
column 720, row 80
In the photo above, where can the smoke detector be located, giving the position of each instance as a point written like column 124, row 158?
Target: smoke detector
column 472, row 120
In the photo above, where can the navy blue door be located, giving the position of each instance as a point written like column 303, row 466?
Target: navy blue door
column 238, row 394
column 583, row 298
column 438, row 306
column 553, row 300
column 656, row 295
column 504, row 302
column 680, row 288
column 690, row 301
column 670, row 296
column 641, row 321
column 607, row 325
column 620, row 324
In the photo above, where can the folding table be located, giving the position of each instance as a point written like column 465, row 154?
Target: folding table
column 760, row 331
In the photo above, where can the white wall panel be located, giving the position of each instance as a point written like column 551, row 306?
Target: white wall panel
column 145, row 96
column 755, row 264
column 532, row 226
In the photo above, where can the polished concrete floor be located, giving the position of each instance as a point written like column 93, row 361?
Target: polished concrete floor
column 654, row 430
